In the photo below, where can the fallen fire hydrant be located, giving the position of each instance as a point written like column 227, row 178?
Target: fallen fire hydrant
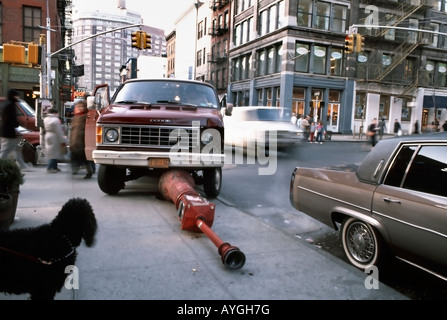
column 196, row 213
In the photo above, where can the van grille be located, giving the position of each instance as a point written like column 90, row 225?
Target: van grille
column 158, row 137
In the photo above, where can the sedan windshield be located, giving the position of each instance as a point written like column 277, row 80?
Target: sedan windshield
column 167, row 92
column 268, row 114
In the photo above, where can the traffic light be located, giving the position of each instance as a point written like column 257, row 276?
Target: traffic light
column 34, row 54
column 349, row 43
column 359, row 43
column 146, row 40
column 13, row 53
column 136, row 40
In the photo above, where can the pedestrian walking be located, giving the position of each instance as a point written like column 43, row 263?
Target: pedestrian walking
column 10, row 138
column 313, row 127
column 77, row 140
column 305, row 126
column 372, row 132
column 382, row 128
column 55, row 140
column 319, row 131
column 444, row 126
column 293, row 119
column 416, row 127
column 397, row 128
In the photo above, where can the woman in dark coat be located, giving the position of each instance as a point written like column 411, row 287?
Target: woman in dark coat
column 77, row 139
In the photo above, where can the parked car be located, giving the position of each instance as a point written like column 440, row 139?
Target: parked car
column 25, row 114
column 394, row 203
column 251, row 126
column 30, row 144
column 31, row 136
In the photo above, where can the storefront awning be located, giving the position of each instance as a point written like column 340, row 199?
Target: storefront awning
column 439, row 102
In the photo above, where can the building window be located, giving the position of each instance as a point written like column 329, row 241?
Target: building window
column 322, row 16
column 409, row 70
column 384, row 107
column 440, row 74
column 241, row 98
column 298, row 100
column 340, row 18
column 241, row 67
column 336, row 62
column 237, row 35
column 199, row 58
column 270, row 18
column 302, row 57
column 360, row 100
column 304, row 14
column 278, row 100
column 269, row 60
column 32, row 18
column 1, row 23
column 200, row 30
column 442, row 5
column 319, row 64
column 406, row 111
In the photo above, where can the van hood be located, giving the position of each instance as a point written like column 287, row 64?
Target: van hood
column 166, row 115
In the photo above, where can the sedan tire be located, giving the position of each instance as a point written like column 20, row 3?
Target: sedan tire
column 362, row 244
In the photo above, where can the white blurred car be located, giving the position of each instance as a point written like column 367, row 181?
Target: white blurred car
column 249, row 127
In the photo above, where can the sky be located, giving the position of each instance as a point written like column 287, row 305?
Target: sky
column 155, row 13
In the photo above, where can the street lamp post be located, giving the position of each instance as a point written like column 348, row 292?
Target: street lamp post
column 317, row 95
column 197, row 4
column 49, row 95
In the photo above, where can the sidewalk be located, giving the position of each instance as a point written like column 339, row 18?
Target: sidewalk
column 142, row 254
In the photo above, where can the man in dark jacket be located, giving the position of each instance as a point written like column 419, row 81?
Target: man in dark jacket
column 9, row 137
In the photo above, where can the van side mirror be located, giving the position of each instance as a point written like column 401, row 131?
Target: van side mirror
column 229, row 109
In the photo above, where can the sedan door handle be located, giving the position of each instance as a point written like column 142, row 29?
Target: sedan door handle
column 391, row 200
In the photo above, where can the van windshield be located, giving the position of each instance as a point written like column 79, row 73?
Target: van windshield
column 167, row 92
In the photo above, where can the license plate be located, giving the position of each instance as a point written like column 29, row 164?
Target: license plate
column 158, row 162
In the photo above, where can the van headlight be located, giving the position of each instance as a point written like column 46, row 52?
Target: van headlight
column 206, row 137
column 112, row 135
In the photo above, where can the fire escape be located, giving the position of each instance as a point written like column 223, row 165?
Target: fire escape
column 219, row 32
column 379, row 68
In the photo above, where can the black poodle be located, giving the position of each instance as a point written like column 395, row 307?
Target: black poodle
column 34, row 260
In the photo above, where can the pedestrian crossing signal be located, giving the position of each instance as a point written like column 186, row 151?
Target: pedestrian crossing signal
column 34, row 54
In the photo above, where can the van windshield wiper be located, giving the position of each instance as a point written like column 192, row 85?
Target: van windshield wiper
column 133, row 102
column 168, row 101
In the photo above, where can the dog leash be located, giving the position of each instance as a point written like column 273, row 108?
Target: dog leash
column 39, row 260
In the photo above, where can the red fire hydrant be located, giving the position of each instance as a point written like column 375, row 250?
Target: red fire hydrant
column 197, row 213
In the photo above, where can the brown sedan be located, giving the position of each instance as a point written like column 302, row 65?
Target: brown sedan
column 394, row 202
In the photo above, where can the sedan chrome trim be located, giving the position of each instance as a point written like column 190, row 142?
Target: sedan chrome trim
column 422, row 268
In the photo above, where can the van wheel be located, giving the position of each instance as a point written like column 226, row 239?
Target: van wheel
column 362, row 243
column 111, row 179
column 212, row 181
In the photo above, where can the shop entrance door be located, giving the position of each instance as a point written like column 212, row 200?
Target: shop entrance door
column 332, row 117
